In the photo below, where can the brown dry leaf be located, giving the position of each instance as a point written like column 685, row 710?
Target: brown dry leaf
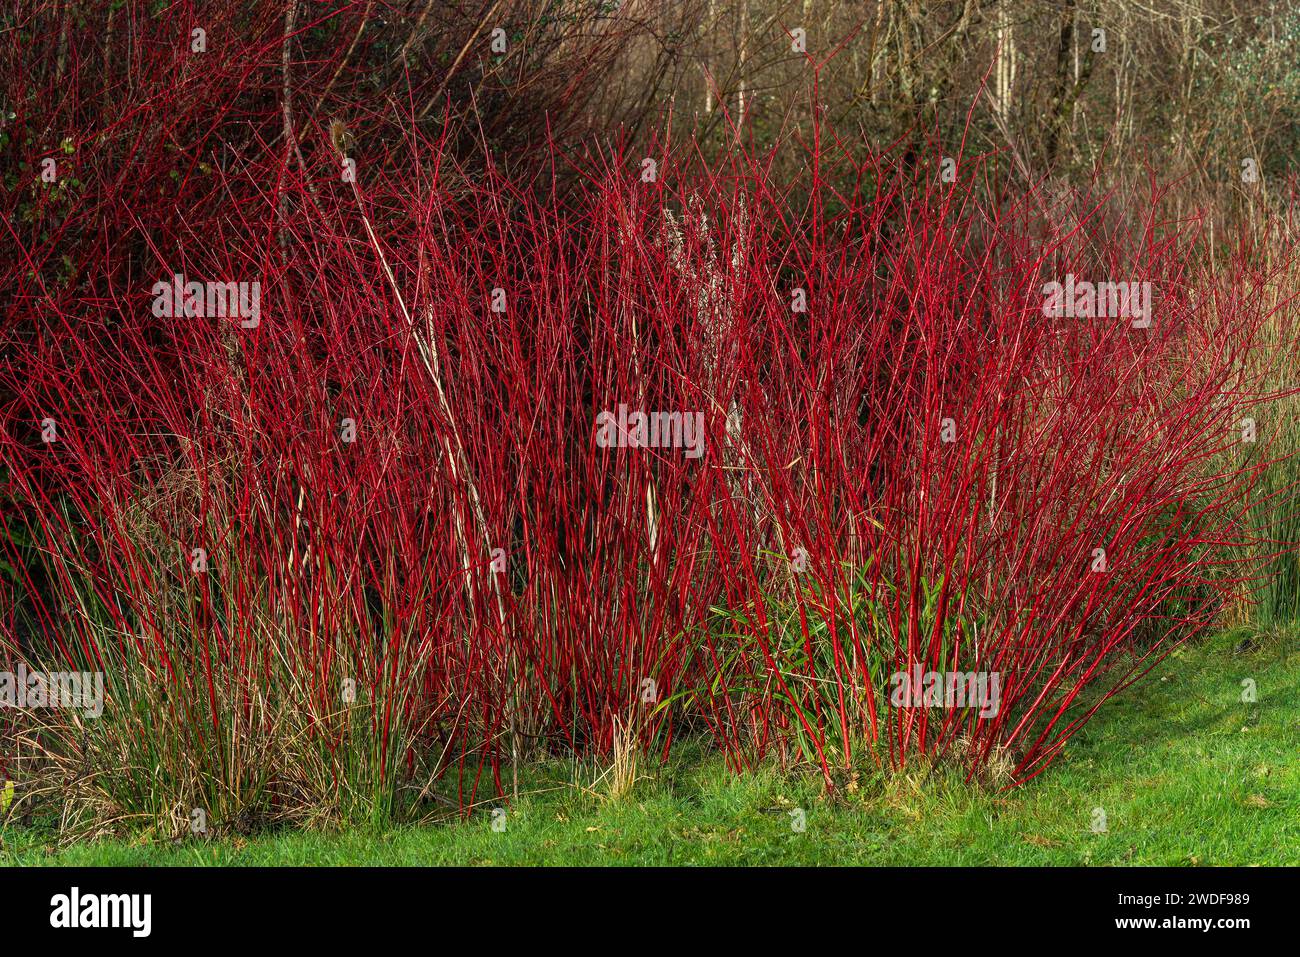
column 1037, row 841
column 1258, row 800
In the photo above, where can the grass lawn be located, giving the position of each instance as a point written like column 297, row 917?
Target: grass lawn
column 1186, row 773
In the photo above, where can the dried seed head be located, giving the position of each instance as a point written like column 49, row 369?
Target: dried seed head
column 340, row 136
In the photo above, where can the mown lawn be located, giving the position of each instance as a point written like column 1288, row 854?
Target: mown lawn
column 1186, row 773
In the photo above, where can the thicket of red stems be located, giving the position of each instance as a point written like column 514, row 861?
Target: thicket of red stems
column 828, row 537
column 641, row 587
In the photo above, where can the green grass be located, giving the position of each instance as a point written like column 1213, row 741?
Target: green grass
column 1186, row 773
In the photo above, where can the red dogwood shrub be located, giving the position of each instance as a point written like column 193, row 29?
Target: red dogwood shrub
column 407, row 472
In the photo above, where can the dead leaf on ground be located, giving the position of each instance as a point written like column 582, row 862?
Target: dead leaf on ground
column 1037, row 841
